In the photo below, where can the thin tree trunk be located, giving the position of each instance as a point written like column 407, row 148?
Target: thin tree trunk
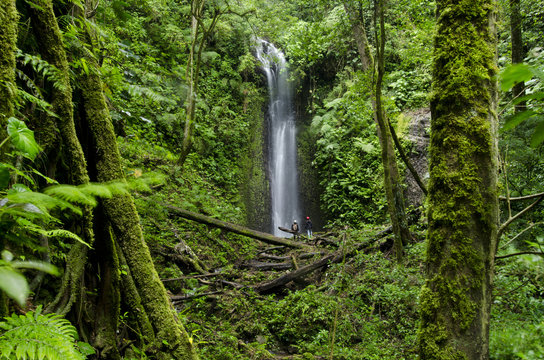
column 463, row 200
column 392, row 180
column 517, row 48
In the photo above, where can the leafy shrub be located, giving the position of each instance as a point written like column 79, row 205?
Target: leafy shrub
column 38, row 336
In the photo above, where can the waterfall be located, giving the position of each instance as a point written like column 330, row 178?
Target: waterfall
column 282, row 149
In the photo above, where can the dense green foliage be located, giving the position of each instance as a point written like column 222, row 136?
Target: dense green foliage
column 38, row 336
column 363, row 308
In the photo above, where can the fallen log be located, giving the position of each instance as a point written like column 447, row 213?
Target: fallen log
column 237, row 229
column 337, row 257
column 287, row 257
column 283, row 280
column 263, row 266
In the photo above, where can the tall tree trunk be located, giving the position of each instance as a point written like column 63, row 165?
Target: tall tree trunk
column 517, row 48
column 49, row 38
column 8, row 44
column 8, row 89
column 463, row 200
column 392, row 179
column 172, row 340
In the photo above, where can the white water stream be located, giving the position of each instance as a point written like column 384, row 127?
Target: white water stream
column 282, row 149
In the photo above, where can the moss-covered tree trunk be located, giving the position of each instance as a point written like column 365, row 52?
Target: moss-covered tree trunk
column 49, row 39
column 8, row 44
column 50, row 42
column 8, row 41
column 463, row 201
column 392, row 179
column 172, row 341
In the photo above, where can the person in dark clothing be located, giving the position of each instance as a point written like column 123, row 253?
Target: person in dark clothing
column 308, row 227
column 295, row 229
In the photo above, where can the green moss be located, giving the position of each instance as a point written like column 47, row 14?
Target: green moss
column 462, row 189
column 8, row 39
column 255, row 187
column 173, row 341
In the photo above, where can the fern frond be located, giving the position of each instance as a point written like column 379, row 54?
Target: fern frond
column 139, row 91
column 118, row 188
column 38, row 336
column 47, row 70
column 44, row 202
column 42, row 104
column 70, row 194
column 60, row 233
column 97, row 190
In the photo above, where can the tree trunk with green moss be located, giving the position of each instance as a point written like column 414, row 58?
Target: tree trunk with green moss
column 49, row 38
column 463, row 201
column 8, row 40
column 8, row 44
column 392, row 179
column 172, row 341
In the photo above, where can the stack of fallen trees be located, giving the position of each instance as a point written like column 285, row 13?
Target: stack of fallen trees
column 295, row 259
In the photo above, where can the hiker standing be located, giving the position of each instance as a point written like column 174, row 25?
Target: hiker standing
column 308, row 227
column 295, row 229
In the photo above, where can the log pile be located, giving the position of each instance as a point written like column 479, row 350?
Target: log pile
column 286, row 262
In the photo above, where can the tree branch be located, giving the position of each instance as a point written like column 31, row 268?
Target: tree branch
column 520, row 253
column 405, row 158
column 505, row 225
column 526, row 197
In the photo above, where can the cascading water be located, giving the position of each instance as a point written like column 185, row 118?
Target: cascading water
column 282, row 151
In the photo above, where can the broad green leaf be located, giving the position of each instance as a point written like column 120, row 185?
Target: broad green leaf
column 4, row 176
column 517, row 119
column 538, row 136
column 7, row 256
column 23, row 138
column 514, row 74
column 14, row 285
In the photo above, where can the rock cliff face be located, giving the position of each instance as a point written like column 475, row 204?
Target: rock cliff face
column 419, row 136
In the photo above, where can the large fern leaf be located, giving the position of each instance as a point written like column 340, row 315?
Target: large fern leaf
column 38, row 336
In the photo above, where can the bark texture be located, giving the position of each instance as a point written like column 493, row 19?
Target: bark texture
column 463, row 199
column 172, row 340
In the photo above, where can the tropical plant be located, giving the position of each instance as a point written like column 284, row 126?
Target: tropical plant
column 35, row 335
column 534, row 112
